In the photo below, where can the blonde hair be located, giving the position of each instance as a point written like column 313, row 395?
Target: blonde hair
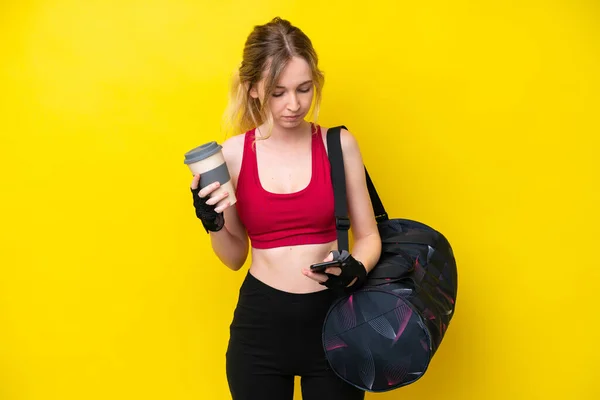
column 268, row 48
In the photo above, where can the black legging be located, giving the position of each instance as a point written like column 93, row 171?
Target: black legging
column 276, row 335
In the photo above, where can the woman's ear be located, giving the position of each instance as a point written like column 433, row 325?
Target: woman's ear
column 253, row 91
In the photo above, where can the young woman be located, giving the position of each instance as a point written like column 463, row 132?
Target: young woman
column 285, row 209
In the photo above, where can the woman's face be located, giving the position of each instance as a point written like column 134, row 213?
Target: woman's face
column 292, row 97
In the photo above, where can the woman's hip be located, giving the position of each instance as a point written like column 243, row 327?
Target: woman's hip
column 268, row 315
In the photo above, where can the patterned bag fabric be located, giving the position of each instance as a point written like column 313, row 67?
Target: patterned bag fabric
column 384, row 335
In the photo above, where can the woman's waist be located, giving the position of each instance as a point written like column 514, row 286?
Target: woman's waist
column 260, row 305
column 281, row 267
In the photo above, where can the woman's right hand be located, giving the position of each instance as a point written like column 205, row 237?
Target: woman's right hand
column 205, row 205
column 206, row 193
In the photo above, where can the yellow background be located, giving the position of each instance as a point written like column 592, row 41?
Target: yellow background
column 479, row 118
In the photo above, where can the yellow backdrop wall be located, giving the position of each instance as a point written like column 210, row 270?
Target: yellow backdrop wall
column 479, row 118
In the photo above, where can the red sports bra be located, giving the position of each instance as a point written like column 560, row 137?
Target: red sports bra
column 275, row 219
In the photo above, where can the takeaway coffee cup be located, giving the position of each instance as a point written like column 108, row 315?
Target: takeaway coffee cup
column 208, row 161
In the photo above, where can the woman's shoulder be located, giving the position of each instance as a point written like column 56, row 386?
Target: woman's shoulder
column 349, row 142
column 234, row 144
column 233, row 151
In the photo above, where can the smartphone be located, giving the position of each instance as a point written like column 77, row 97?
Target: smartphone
column 320, row 267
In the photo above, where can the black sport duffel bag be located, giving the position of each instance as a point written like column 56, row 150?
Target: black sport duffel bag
column 384, row 335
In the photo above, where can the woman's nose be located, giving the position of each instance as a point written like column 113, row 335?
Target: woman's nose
column 293, row 104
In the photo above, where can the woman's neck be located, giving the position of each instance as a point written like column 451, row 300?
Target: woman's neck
column 286, row 136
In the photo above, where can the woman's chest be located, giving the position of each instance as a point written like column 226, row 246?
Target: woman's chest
column 284, row 174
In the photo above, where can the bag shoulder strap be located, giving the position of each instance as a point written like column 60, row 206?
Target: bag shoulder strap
column 338, row 179
column 378, row 209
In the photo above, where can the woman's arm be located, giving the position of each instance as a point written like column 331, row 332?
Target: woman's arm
column 367, row 243
column 230, row 243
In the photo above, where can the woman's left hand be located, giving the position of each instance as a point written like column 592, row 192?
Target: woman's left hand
column 351, row 275
column 320, row 276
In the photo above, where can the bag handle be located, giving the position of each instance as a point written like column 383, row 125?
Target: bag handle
column 338, row 179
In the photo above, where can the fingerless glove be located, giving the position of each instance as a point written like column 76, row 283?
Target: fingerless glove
column 211, row 220
column 351, row 268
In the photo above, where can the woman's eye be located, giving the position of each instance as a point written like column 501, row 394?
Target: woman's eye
column 277, row 94
column 304, row 90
